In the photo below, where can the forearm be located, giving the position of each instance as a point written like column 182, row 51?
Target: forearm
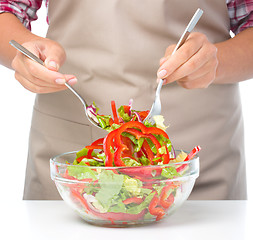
column 235, row 58
column 13, row 30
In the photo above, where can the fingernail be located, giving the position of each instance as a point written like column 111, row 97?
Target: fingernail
column 72, row 81
column 53, row 64
column 60, row 81
column 162, row 73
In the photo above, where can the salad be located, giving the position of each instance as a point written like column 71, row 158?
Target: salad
column 127, row 175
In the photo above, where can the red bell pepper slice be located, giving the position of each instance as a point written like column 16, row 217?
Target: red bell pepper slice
column 117, row 156
column 154, row 209
column 114, row 139
column 98, row 141
column 127, row 109
column 107, row 144
column 193, row 153
column 145, row 173
column 143, row 114
column 143, row 128
column 80, row 159
column 133, row 200
column 165, row 201
column 94, row 145
column 112, row 216
column 166, row 157
column 139, row 134
column 114, row 112
column 128, row 143
column 147, row 150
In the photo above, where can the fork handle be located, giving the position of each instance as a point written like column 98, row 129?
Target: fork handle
column 182, row 39
column 189, row 29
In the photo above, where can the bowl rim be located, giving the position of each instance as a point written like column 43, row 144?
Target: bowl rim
column 53, row 160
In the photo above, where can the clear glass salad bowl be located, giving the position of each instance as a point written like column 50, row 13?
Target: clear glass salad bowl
column 123, row 196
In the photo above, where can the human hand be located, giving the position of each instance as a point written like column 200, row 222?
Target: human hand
column 42, row 79
column 193, row 65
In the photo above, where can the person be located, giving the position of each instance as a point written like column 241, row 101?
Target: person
column 110, row 50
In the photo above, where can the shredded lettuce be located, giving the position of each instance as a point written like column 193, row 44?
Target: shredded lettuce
column 170, row 172
column 80, row 173
column 118, row 208
column 104, row 121
column 123, row 115
column 110, row 186
column 133, row 186
column 131, row 162
column 82, row 152
column 159, row 122
column 136, row 209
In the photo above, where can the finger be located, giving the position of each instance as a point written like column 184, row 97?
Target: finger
column 32, row 87
column 170, row 50
column 202, row 82
column 203, row 61
column 182, row 55
column 19, row 66
column 50, row 52
column 163, row 60
column 40, row 72
column 37, row 81
column 209, row 67
column 42, row 83
column 53, row 56
column 29, row 77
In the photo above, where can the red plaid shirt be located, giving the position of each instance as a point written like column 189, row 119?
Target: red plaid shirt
column 240, row 12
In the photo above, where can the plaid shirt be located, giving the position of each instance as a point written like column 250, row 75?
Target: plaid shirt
column 240, row 12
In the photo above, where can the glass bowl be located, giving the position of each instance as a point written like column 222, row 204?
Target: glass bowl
column 123, row 196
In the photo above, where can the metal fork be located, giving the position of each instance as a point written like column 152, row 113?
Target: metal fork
column 156, row 106
column 30, row 55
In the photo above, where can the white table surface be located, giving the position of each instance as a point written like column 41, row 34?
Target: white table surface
column 194, row 220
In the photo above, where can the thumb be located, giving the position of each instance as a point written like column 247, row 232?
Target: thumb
column 55, row 56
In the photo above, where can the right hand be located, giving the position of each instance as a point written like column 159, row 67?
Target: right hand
column 42, row 79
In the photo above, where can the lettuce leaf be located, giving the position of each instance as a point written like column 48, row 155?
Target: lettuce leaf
column 123, row 115
column 82, row 152
column 118, row 208
column 138, row 208
column 159, row 122
column 110, row 186
column 81, row 173
column 133, row 186
column 104, row 121
column 131, row 162
column 170, row 172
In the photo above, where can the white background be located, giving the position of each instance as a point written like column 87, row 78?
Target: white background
column 16, row 109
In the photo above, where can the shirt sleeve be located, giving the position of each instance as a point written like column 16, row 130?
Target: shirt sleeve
column 241, row 14
column 24, row 10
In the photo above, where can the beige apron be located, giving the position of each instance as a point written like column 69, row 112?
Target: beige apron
column 114, row 47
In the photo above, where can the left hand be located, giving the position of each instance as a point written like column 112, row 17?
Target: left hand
column 193, row 65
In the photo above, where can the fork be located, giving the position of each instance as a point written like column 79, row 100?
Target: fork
column 156, row 106
column 27, row 53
